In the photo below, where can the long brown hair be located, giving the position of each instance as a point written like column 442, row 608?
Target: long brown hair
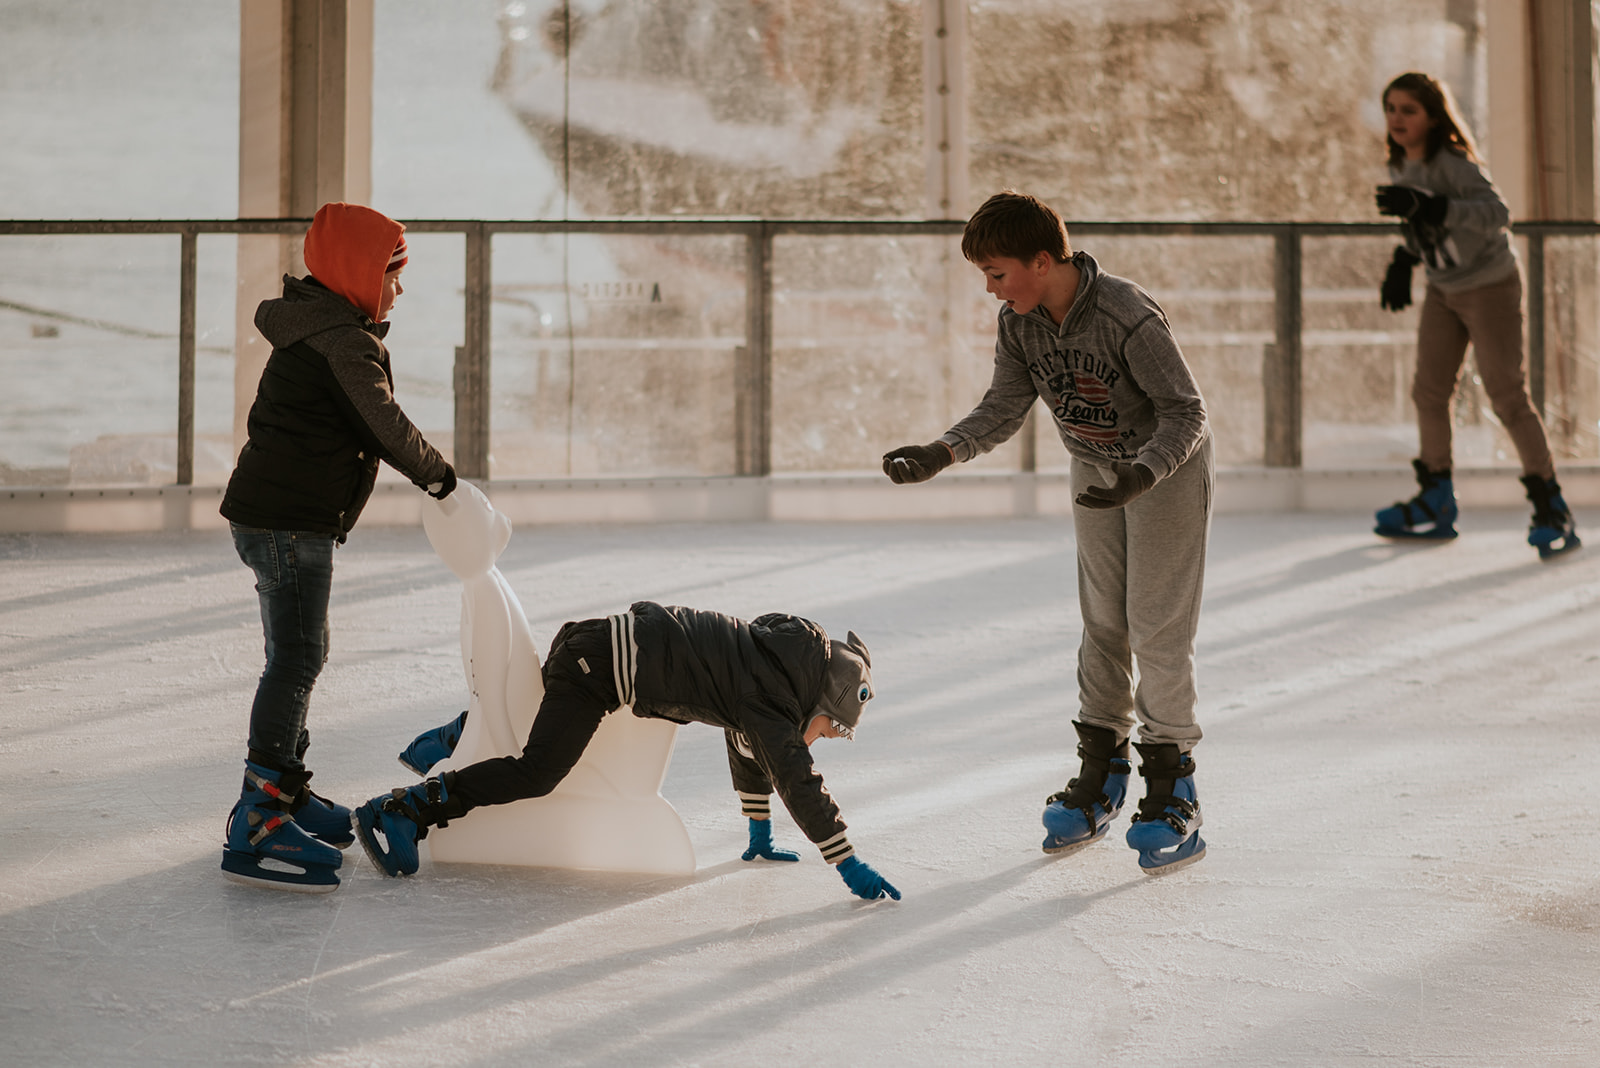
column 1448, row 127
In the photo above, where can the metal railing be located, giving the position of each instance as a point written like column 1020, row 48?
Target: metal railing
column 1282, row 367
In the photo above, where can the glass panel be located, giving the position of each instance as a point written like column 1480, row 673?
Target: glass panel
column 877, row 342
column 425, row 328
column 615, row 355
column 1572, row 347
column 1359, row 359
column 119, row 111
column 722, row 107
column 90, row 360
column 216, row 274
column 1205, row 109
column 444, row 144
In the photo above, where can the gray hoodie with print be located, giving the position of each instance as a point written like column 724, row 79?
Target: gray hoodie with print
column 1112, row 376
column 1472, row 247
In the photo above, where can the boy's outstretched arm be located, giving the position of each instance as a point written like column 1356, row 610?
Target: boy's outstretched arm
column 755, row 800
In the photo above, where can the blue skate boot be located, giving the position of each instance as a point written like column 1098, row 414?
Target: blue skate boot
column 1552, row 530
column 402, row 818
column 1080, row 815
column 1430, row 514
column 1165, row 830
column 266, row 847
column 430, row 747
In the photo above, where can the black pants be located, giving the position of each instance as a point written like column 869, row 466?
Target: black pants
column 578, row 693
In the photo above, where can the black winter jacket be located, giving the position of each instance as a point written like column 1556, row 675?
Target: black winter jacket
column 760, row 679
column 324, row 415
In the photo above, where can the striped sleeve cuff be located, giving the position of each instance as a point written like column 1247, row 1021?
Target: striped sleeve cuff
column 755, row 806
column 837, row 848
column 624, row 656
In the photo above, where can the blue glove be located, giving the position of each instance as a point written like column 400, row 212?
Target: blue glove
column 863, row 881
column 761, row 844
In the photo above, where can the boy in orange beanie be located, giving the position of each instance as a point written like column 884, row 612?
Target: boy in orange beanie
column 324, row 415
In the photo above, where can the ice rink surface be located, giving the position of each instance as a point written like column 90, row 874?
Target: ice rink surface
column 1397, row 777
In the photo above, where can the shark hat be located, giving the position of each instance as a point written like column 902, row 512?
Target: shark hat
column 847, row 687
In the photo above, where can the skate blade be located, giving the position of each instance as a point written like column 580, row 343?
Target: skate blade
column 1066, row 849
column 412, row 768
column 249, row 870
column 1550, row 550
column 1401, row 534
column 1179, row 858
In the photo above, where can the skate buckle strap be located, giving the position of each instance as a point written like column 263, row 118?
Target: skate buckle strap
column 1159, row 808
column 266, row 786
column 264, row 826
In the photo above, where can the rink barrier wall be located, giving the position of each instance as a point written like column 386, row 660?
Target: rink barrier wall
column 1282, row 370
column 778, row 498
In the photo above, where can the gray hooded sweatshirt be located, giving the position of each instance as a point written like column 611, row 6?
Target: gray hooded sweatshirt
column 1472, row 248
column 1112, row 376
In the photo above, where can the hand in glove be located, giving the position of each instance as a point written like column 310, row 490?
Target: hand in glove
column 917, row 463
column 1131, row 482
column 1412, row 204
column 1396, row 291
column 761, row 844
column 863, row 881
column 445, row 486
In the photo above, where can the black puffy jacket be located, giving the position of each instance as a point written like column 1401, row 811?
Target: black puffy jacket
column 761, row 678
column 324, row 415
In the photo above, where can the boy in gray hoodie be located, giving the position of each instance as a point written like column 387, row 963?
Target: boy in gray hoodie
column 1097, row 350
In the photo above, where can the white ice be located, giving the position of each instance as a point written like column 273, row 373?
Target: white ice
column 1397, row 776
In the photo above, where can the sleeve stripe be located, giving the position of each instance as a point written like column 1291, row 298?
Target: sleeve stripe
column 755, row 806
column 836, row 848
column 624, row 656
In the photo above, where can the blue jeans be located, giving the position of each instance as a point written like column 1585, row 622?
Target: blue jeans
column 294, row 577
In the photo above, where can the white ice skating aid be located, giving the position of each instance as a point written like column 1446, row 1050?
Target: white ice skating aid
column 608, row 813
column 1166, row 829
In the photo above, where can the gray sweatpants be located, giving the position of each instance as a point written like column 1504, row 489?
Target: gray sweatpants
column 1141, row 571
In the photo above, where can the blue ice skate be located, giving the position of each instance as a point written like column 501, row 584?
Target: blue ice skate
column 391, row 825
column 1431, row 514
column 1166, row 830
column 430, row 747
column 265, row 846
column 1080, row 815
column 1552, row 530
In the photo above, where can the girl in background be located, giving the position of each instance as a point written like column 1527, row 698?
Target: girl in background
column 1456, row 224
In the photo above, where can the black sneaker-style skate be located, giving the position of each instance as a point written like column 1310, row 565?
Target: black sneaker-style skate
column 1166, row 829
column 1431, row 514
column 1080, row 815
column 1552, row 530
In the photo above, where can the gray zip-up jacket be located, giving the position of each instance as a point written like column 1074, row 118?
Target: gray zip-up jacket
column 1473, row 247
column 1112, row 376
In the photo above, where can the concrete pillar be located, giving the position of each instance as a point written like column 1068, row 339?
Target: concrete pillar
column 305, row 138
column 1542, row 84
column 944, row 44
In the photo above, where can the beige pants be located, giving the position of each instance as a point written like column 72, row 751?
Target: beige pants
column 1490, row 318
column 1141, row 570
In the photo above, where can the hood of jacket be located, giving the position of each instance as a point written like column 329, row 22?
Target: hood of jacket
column 347, row 249
column 308, row 308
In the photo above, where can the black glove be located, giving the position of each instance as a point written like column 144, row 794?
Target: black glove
column 917, row 463
column 1412, row 205
column 445, row 486
column 1396, row 291
column 1131, row 482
